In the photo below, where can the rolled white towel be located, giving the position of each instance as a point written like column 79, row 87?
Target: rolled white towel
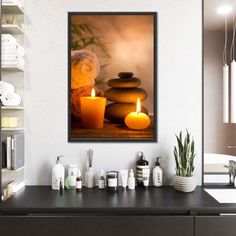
column 10, row 99
column 6, row 88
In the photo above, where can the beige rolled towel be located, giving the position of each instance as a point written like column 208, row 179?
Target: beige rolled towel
column 84, row 68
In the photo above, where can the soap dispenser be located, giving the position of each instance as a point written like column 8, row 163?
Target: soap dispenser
column 142, row 171
column 58, row 175
column 157, row 175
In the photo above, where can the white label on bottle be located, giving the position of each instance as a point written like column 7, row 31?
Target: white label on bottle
column 79, row 184
column 101, row 183
column 140, row 172
column 158, row 179
column 112, row 182
column 56, row 184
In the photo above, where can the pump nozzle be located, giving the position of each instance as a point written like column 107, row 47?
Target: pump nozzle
column 58, row 158
column 157, row 161
column 140, row 154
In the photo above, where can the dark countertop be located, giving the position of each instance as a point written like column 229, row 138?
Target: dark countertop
column 155, row 201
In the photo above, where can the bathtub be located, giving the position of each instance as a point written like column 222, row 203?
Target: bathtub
column 215, row 168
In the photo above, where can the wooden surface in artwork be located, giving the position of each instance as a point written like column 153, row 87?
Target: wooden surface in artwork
column 110, row 132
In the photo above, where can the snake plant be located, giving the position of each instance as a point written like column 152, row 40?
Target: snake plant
column 184, row 155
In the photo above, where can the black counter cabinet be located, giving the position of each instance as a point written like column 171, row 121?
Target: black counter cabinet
column 160, row 212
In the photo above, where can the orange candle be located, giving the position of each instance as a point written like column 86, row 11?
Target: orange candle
column 92, row 111
column 137, row 120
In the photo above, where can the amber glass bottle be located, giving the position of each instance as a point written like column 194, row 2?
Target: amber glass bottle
column 79, row 182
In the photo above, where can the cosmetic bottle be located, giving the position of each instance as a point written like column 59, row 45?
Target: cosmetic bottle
column 131, row 180
column 79, row 182
column 142, row 171
column 124, row 178
column 157, row 174
column 58, row 175
column 112, row 181
column 101, row 181
column 70, row 181
column 89, row 174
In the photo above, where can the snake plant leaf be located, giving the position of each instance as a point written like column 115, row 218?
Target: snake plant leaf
column 184, row 154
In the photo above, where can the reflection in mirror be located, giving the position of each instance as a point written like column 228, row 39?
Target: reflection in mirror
column 219, row 94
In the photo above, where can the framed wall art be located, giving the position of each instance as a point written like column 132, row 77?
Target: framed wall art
column 112, row 76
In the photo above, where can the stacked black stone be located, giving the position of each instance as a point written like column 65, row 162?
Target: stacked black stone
column 123, row 94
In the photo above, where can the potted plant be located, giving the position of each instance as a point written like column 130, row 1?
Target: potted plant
column 184, row 180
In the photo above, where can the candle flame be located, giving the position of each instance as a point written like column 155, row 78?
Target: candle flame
column 93, row 94
column 138, row 106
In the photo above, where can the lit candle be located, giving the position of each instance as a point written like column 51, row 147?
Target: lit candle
column 92, row 111
column 137, row 120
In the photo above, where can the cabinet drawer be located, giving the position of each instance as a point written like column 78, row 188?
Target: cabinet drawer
column 97, row 225
column 215, row 225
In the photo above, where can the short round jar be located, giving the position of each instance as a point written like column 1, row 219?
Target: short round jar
column 112, row 181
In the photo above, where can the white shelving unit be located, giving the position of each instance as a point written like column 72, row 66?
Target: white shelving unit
column 12, row 108
column 13, row 129
column 12, row 29
column 11, row 74
column 13, row 68
column 12, row 8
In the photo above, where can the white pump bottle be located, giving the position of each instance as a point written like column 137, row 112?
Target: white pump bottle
column 58, row 174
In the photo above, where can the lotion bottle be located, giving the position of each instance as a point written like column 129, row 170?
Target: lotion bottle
column 58, row 175
column 142, row 171
column 101, row 181
column 131, row 180
column 79, row 182
column 157, row 175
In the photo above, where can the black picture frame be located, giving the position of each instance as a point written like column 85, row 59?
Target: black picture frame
column 155, row 80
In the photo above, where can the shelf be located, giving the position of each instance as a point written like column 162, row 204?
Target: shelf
column 12, row 8
column 6, row 171
column 12, row 108
column 13, row 129
column 13, row 68
column 12, row 29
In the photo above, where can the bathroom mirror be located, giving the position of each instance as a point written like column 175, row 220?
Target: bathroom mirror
column 219, row 132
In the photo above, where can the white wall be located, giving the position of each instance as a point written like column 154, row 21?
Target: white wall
column 179, row 85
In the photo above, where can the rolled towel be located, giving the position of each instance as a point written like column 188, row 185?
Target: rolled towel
column 6, row 88
column 10, row 99
column 84, row 68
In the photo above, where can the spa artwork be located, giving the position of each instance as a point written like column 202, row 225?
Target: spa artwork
column 112, row 77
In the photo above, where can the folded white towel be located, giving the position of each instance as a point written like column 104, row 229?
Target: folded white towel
column 19, row 50
column 9, row 57
column 9, row 1
column 8, row 38
column 6, row 88
column 9, row 46
column 10, row 99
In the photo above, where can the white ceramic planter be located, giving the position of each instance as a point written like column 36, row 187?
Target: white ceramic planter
column 184, row 184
